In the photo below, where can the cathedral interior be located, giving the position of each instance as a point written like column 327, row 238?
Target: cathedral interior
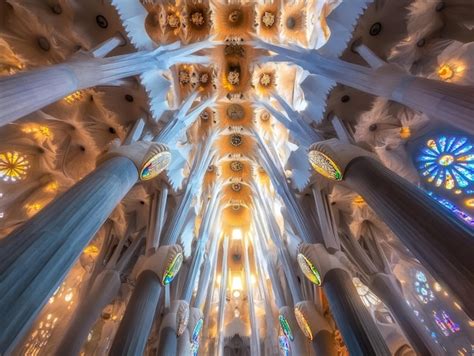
column 236, row 177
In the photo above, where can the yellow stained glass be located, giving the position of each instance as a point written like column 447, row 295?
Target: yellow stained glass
column 13, row 166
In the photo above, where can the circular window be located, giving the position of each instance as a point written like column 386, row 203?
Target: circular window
column 236, row 140
column 236, row 187
column 236, row 166
column 235, row 112
column 375, row 29
column 101, row 21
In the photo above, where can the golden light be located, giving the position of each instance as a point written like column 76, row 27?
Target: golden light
column 405, row 132
column 51, row 187
column 91, row 250
column 446, row 72
column 39, row 132
column 72, row 98
column 236, row 234
column 469, row 202
column 437, row 287
column 237, row 286
column 358, row 200
column 13, row 166
column 33, row 208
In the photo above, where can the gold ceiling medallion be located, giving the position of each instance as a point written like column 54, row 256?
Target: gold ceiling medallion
column 236, row 166
column 184, row 77
column 205, row 115
column 265, row 116
column 236, row 140
column 235, row 112
column 294, row 23
column 236, row 187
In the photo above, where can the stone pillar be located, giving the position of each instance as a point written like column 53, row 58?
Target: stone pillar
column 289, row 325
column 451, row 103
column 105, row 287
column 35, row 258
column 23, row 93
column 386, row 289
column 315, row 328
column 324, row 344
column 357, row 327
column 442, row 244
column 174, row 324
column 154, row 271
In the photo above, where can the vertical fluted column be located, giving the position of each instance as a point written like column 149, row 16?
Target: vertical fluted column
column 35, row 257
column 23, row 93
column 388, row 292
column 357, row 326
column 324, row 344
column 104, row 289
column 137, row 321
column 442, row 244
column 352, row 317
column 449, row 102
column 153, row 272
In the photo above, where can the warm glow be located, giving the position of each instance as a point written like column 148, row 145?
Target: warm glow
column 33, row 208
column 469, row 202
column 72, row 98
column 13, row 166
column 237, row 283
column 446, row 72
column 236, row 234
column 39, row 132
column 405, row 132
column 358, row 200
column 91, row 250
column 51, row 187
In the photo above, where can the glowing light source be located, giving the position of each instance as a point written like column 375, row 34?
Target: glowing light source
column 324, row 165
column 13, row 166
column 468, row 219
column 448, row 161
column 358, row 200
column 308, row 269
column 236, row 234
column 284, row 344
column 445, row 323
column 72, row 98
column 469, row 202
column 368, row 298
column 172, row 269
column 236, row 286
column 405, row 132
column 423, row 290
column 38, row 131
column 91, row 250
column 155, row 165
column 303, row 323
column 285, row 327
column 446, row 72
column 33, row 208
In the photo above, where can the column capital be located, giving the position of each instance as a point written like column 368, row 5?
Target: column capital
column 331, row 157
column 177, row 318
column 150, row 158
column 309, row 320
column 315, row 261
column 195, row 323
column 165, row 263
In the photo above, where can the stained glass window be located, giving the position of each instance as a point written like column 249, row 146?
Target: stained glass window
column 445, row 323
column 285, row 326
column 448, row 162
column 13, row 166
column 422, row 288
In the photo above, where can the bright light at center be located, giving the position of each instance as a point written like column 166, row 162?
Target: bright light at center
column 236, row 234
column 236, row 285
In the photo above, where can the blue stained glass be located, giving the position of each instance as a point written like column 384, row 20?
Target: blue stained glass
column 447, row 161
column 442, row 143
